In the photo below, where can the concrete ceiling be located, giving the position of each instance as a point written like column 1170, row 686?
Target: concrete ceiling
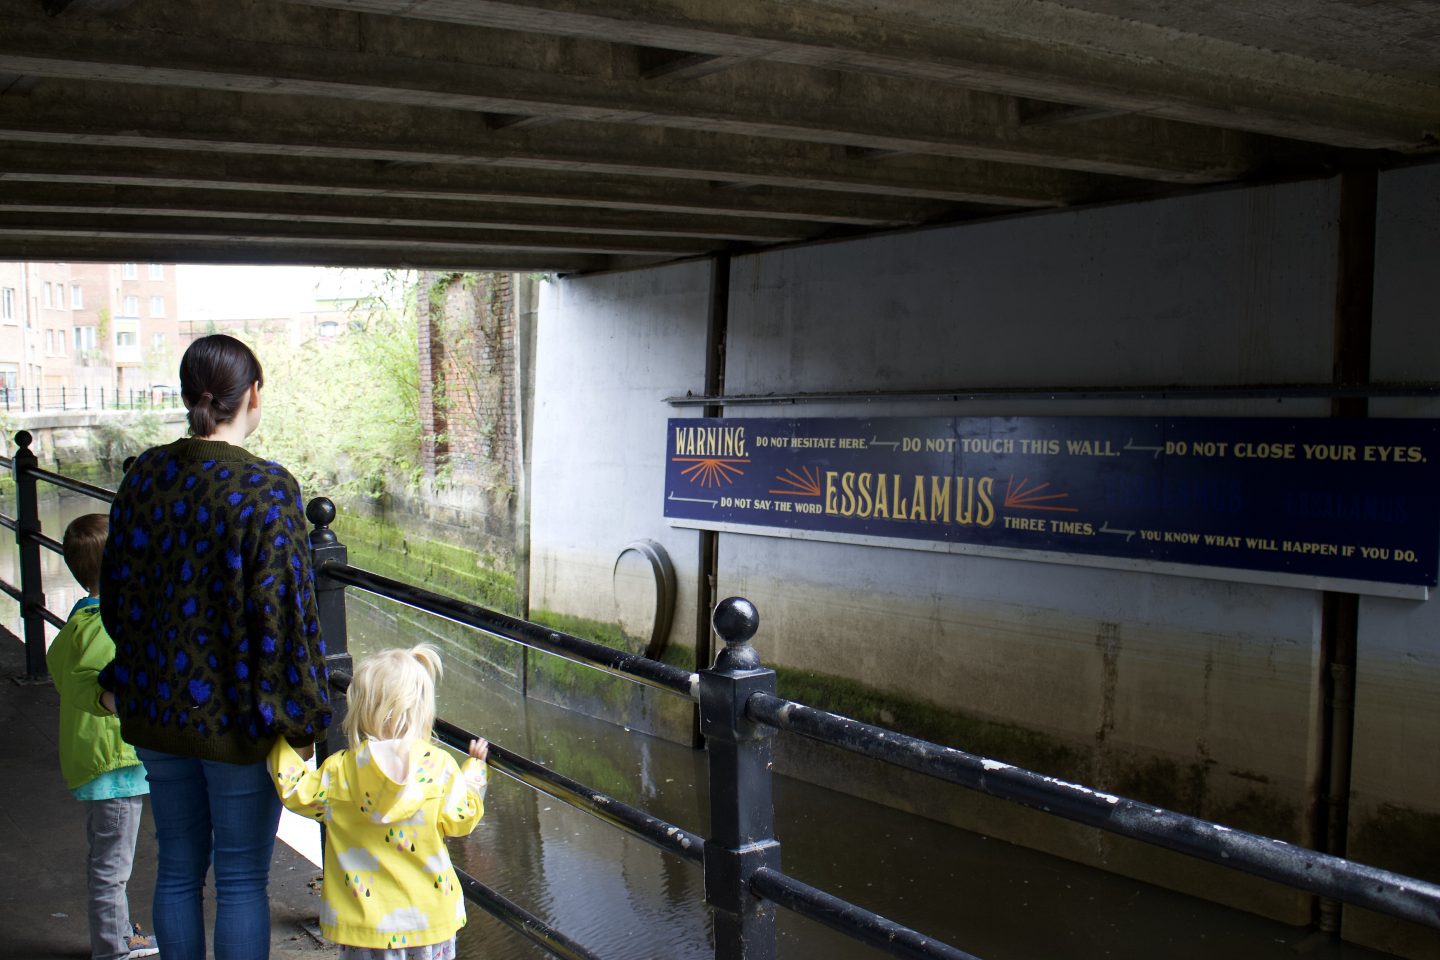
column 570, row 135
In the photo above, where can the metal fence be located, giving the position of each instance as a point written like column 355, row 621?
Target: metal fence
column 740, row 714
column 61, row 398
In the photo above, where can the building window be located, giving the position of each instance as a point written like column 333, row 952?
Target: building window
column 157, row 342
column 157, row 271
column 157, row 306
column 7, row 304
column 329, row 329
column 46, row 298
column 84, row 338
column 77, row 299
column 129, row 271
column 49, row 342
column 132, row 306
column 125, row 338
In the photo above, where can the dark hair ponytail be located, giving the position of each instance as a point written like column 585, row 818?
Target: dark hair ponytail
column 215, row 375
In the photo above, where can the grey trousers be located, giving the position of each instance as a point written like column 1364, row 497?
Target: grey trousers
column 111, row 826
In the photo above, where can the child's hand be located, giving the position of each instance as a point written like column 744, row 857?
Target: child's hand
column 479, row 749
column 107, row 700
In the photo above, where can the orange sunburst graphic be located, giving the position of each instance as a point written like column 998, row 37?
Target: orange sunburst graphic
column 806, row 483
column 710, row 471
column 1022, row 496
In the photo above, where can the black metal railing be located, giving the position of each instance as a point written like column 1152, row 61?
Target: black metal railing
column 61, row 398
column 739, row 715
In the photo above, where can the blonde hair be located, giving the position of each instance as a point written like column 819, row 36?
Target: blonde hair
column 392, row 695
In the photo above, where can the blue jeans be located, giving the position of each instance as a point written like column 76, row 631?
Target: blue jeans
column 111, row 827
column 205, row 809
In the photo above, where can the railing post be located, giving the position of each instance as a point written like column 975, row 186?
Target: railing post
column 742, row 836
column 32, row 588
column 330, row 599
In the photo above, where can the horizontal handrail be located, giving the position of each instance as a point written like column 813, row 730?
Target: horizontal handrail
column 48, row 542
column 855, row 922
column 10, row 591
column 9, row 523
column 50, row 617
column 632, row 820
column 1299, row 867
column 78, row 486
column 631, row 666
column 522, row 921
column 7, row 463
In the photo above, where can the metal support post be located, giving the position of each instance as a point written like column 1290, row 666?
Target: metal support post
column 62, row 397
column 330, row 599
column 742, row 812
column 32, row 588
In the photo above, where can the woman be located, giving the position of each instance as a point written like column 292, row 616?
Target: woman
column 206, row 589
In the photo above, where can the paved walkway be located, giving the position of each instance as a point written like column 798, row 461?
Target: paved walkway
column 42, row 853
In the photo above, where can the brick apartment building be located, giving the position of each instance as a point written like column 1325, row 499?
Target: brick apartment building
column 87, row 326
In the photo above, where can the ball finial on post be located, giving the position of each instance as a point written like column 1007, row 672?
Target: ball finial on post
column 23, row 439
column 735, row 620
column 320, row 511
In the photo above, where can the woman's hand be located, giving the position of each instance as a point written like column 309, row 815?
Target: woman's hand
column 479, row 749
column 107, row 700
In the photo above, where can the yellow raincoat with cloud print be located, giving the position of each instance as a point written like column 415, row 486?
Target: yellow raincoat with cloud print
column 387, row 808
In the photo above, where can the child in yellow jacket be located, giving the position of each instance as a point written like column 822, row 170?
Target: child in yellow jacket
column 387, row 803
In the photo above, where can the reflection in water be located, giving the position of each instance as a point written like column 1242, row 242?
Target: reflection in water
column 626, row 900
column 61, row 590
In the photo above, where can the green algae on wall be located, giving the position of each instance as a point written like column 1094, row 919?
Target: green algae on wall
column 443, row 568
column 605, row 696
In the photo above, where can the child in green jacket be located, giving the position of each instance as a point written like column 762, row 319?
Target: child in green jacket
column 100, row 768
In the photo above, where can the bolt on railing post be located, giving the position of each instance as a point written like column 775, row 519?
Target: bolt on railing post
column 330, row 600
column 742, row 836
column 32, row 588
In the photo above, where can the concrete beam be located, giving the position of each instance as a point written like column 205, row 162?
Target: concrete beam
column 59, row 164
column 414, row 240
column 91, row 8
column 1040, row 49
column 537, row 79
column 193, row 250
column 209, row 122
column 131, row 200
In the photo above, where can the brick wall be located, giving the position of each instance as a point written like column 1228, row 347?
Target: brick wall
column 468, row 396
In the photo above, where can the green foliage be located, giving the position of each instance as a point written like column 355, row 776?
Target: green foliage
column 116, row 437
column 343, row 414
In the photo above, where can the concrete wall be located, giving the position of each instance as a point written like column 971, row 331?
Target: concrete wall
column 1395, row 803
column 1154, row 686
column 609, row 349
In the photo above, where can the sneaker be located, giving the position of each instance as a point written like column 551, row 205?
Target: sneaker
column 141, row 945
